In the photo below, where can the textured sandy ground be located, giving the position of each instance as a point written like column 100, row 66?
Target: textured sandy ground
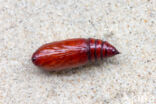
column 128, row 78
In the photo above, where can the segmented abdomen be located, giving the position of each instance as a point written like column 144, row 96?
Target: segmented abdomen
column 99, row 49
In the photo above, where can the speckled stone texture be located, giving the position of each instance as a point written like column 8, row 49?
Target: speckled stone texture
column 128, row 78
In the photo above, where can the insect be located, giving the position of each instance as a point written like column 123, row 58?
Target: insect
column 70, row 53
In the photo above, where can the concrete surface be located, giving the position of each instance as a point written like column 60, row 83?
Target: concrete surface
column 128, row 78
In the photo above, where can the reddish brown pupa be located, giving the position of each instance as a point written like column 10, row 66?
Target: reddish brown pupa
column 67, row 54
